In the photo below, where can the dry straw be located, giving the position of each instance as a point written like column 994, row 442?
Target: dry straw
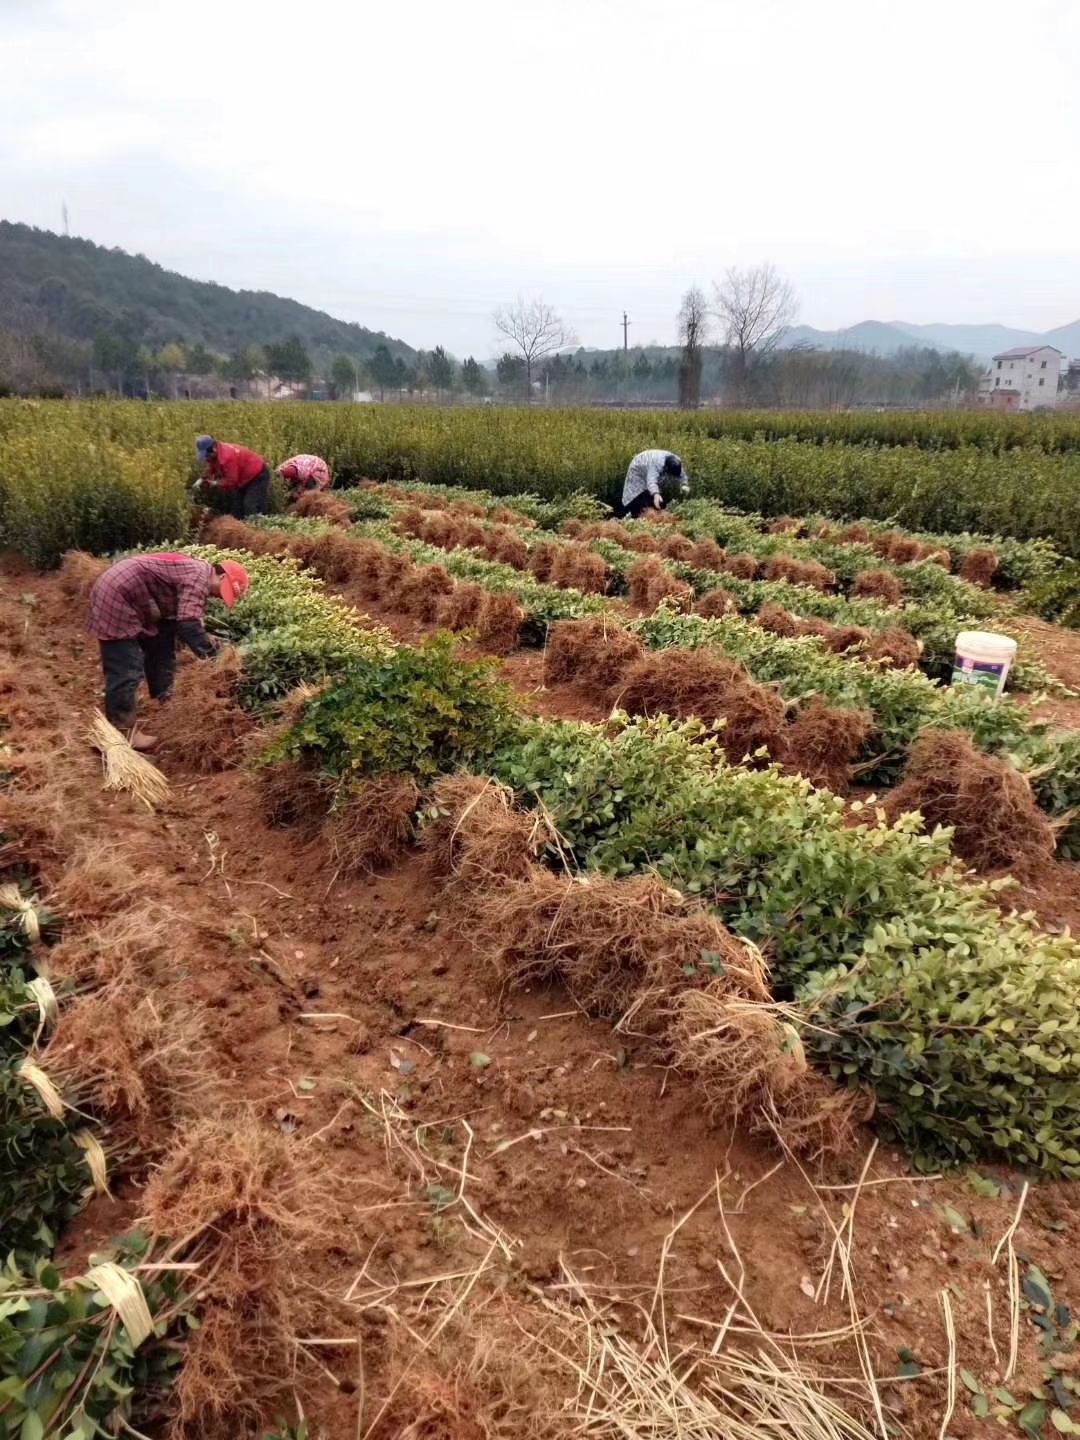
column 36, row 1078
column 125, row 1295
column 12, row 898
column 95, row 1160
column 125, row 768
column 48, row 1009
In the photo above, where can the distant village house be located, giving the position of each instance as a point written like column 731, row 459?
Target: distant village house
column 1024, row 378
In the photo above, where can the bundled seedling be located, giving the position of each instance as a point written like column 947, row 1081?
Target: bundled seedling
column 91, row 1354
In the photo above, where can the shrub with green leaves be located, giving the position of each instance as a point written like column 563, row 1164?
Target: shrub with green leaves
column 902, row 702
column 66, row 1367
column 43, row 1171
column 962, row 1021
column 287, row 627
column 1056, row 597
column 418, row 712
column 1052, row 760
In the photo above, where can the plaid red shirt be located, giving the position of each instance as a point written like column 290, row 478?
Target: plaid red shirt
column 308, row 470
column 129, row 598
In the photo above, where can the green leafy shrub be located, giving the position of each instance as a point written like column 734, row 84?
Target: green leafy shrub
column 902, row 702
column 962, row 1021
column 418, row 712
column 287, row 628
column 1057, row 597
column 66, row 1367
column 1053, row 761
column 43, row 1171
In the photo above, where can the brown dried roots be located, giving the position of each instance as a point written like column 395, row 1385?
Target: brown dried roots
column 619, row 946
column 649, row 582
column 715, row 603
column 319, row 505
column 996, row 822
column 895, row 647
column 243, row 1201
column 698, row 682
column 202, row 721
column 593, row 652
column 143, row 1062
column 750, row 1065
column 499, row 622
column 475, row 836
column 979, row 566
column 799, row 572
column 823, row 743
column 877, row 585
column 374, row 826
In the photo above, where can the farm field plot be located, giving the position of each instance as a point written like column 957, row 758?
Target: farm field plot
column 533, row 1005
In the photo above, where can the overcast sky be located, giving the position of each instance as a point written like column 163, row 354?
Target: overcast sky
column 412, row 164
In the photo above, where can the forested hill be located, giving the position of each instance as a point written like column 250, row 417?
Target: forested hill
column 79, row 290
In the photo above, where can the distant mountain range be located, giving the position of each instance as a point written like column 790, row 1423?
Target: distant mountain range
column 886, row 337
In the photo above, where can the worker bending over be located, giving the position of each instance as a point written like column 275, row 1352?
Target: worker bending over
column 139, row 608
column 646, row 473
column 242, row 476
column 304, row 472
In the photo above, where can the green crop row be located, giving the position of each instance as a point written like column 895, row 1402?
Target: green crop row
column 1026, row 492
column 287, row 628
column 934, row 623
column 901, row 702
column 738, row 530
column 67, row 1368
column 44, row 1175
column 960, row 1019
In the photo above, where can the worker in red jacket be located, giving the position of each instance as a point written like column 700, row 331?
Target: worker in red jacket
column 139, row 608
column 242, row 476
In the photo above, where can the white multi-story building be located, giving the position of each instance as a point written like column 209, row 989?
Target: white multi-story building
column 1025, row 378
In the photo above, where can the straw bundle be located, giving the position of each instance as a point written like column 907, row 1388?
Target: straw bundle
column 25, row 911
column 88, row 1142
column 125, row 768
column 125, row 1295
column 36, row 1078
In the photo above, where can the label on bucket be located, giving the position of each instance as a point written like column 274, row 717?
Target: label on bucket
column 986, row 673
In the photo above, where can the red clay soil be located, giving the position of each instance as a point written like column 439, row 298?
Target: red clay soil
column 347, row 1017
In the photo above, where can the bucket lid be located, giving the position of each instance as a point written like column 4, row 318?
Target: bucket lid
column 986, row 641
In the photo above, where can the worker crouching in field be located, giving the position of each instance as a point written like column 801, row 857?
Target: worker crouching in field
column 304, row 472
column 139, row 608
column 242, row 476
column 646, row 473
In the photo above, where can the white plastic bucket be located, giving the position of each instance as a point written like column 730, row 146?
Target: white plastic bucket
column 983, row 659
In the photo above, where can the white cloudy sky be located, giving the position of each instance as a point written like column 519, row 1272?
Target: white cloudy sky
column 412, row 163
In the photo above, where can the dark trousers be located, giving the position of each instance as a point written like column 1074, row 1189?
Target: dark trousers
column 126, row 663
column 250, row 499
column 634, row 509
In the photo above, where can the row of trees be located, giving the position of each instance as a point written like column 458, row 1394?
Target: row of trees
column 115, row 360
column 730, row 346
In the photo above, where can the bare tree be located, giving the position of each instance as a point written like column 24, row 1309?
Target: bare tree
column 756, row 306
column 536, row 330
column 693, row 322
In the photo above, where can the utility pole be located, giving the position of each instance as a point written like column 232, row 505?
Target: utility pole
column 625, row 328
